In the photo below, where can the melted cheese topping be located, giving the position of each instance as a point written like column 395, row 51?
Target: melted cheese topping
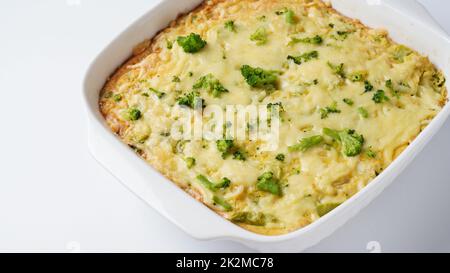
column 313, row 181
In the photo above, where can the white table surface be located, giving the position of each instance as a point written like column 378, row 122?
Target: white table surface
column 55, row 197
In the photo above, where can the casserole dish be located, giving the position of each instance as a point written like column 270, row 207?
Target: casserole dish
column 147, row 183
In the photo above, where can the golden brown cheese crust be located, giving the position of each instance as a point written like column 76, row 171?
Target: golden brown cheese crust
column 152, row 60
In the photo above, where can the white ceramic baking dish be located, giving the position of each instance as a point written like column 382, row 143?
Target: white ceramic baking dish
column 407, row 22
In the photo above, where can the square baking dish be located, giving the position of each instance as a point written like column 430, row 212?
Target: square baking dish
column 407, row 22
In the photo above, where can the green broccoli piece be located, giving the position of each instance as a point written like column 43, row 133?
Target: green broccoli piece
column 169, row 44
column 259, row 36
column 206, row 183
column 342, row 35
column 249, row 218
column 259, row 78
column 290, row 17
column 230, row 26
column 332, row 109
column 331, row 133
column 390, row 85
column 370, row 153
column 306, row 143
column 190, row 162
column 211, row 85
column 117, row 97
column 176, row 79
column 337, row 69
column 280, row 157
column 348, row 101
column 191, row 43
column 323, row 209
column 239, row 155
column 224, row 183
column 159, row 94
column 351, row 142
column 306, row 57
column 134, row 114
column 192, row 100
column 316, row 40
column 268, row 183
column 380, row 97
column 221, row 202
column 225, row 146
column 367, row 86
column 363, row 112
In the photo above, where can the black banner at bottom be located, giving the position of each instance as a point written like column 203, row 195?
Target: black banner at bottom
column 208, row 262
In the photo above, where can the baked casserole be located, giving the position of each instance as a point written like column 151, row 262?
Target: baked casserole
column 348, row 98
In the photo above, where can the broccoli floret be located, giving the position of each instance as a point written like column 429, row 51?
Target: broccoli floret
column 176, row 79
column 351, row 142
column 191, row 43
column 134, row 114
column 306, row 57
column 224, row 183
column 192, row 100
column 268, row 183
column 380, row 97
column 230, row 26
column 367, row 86
column 390, row 85
column 363, row 112
column 224, row 146
column 280, row 157
column 239, row 155
column 117, row 97
column 316, row 40
column 211, row 85
column 259, row 78
column 259, row 36
column 227, row 147
column 306, row 143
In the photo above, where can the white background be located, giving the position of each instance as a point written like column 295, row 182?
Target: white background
column 55, row 197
